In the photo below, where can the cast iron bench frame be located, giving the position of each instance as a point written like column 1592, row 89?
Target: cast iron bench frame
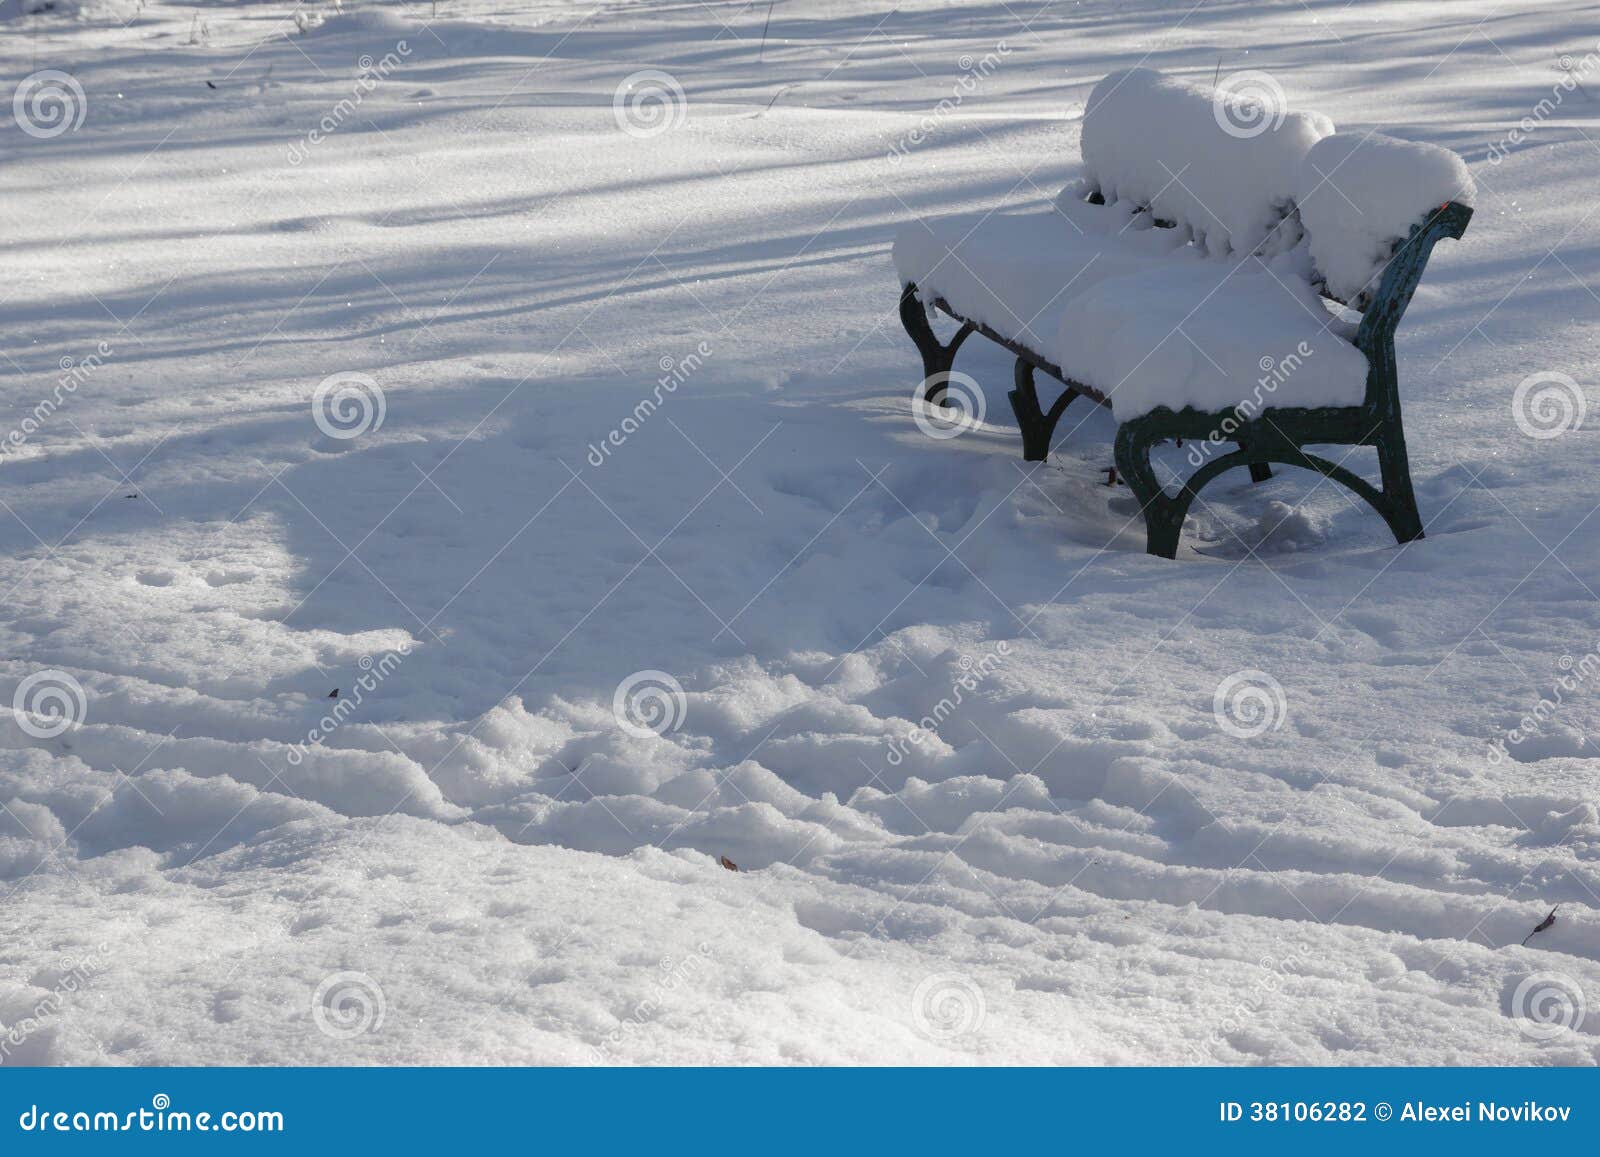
column 1264, row 436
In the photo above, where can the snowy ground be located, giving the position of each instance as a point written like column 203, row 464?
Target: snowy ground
column 481, row 863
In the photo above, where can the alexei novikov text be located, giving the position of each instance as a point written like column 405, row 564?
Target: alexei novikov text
column 1527, row 1112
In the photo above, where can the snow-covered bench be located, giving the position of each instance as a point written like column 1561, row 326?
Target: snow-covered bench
column 1226, row 272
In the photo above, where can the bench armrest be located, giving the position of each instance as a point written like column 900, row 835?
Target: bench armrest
column 1403, row 272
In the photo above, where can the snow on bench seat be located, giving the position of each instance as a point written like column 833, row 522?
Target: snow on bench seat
column 1209, row 335
column 1133, row 312
column 1015, row 272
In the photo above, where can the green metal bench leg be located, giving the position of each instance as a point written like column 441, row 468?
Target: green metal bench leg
column 1035, row 424
column 1163, row 515
column 1401, row 514
column 937, row 359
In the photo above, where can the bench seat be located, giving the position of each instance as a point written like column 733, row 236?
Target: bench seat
column 1208, row 335
column 1131, row 312
column 1015, row 272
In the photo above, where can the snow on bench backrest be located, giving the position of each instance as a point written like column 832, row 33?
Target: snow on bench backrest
column 1220, row 163
column 1359, row 196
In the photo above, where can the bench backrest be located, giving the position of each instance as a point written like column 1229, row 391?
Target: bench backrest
column 1242, row 175
column 1222, row 164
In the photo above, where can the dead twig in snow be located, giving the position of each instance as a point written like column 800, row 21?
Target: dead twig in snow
column 1542, row 925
